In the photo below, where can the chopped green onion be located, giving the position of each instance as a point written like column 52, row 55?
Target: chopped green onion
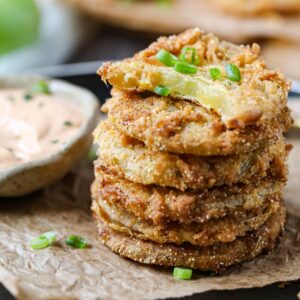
column 76, row 241
column 166, row 58
column 182, row 273
column 162, row 91
column 215, row 73
column 185, row 68
column 41, row 87
column 43, row 241
column 54, row 141
column 27, row 97
column 189, row 55
column 68, row 123
column 233, row 72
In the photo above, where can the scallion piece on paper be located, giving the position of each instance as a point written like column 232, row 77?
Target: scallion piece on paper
column 43, row 241
column 233, row 73
column 167, row 58
column 76, row 241
column 162, row 91
column 182, row 273
column 185, row 68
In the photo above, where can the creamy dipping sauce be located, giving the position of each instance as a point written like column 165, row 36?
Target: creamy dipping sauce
column 34, row 126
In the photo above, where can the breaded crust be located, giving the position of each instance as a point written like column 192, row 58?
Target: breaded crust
column 132, row 160
column 221, row 230
column 165, row 124
column 257, row 7
column 160, row 205
column 214, row 258
column 257, row 98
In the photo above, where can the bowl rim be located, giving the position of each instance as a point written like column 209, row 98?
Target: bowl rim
column 85, row 98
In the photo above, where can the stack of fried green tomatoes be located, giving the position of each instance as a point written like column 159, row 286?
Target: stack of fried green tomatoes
column 192, row 159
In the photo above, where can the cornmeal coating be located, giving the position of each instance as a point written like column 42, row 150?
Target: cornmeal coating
column 132, row 160
column 221, row 230
column 160, row 206
column 258, row 97
column 214, row 258
column 165, row 124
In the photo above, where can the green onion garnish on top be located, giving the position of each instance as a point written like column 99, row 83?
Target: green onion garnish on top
column 190, row 55
column 162, row 91
column 43, row 241
column 182, row 273
column 185, row 68
column 166, row 58
column 215, row 73
column 76, row 241
column 41, row 87
column 233, row 72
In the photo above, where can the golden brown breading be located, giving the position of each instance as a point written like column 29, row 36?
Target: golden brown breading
column 165, row 124
column 214, row 258
column 257, row 7
column 132, row 160
column 160, row 205
column 257, row 98
column 221, row 230
column 191, row 167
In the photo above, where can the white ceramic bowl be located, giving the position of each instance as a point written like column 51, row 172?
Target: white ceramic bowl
column 30, row 176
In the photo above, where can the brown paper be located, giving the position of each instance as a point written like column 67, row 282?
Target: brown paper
column 60, row 272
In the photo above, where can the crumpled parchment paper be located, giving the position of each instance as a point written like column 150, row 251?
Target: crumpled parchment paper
column 60, row 272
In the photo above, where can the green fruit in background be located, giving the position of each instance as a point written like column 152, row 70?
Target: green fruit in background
column 19, row 24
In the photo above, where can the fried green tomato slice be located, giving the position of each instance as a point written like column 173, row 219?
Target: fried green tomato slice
column 243, row 93
column 165, row 124
column 159, row 206
column 132, row 160
column 215, row 258
column 221, row 230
